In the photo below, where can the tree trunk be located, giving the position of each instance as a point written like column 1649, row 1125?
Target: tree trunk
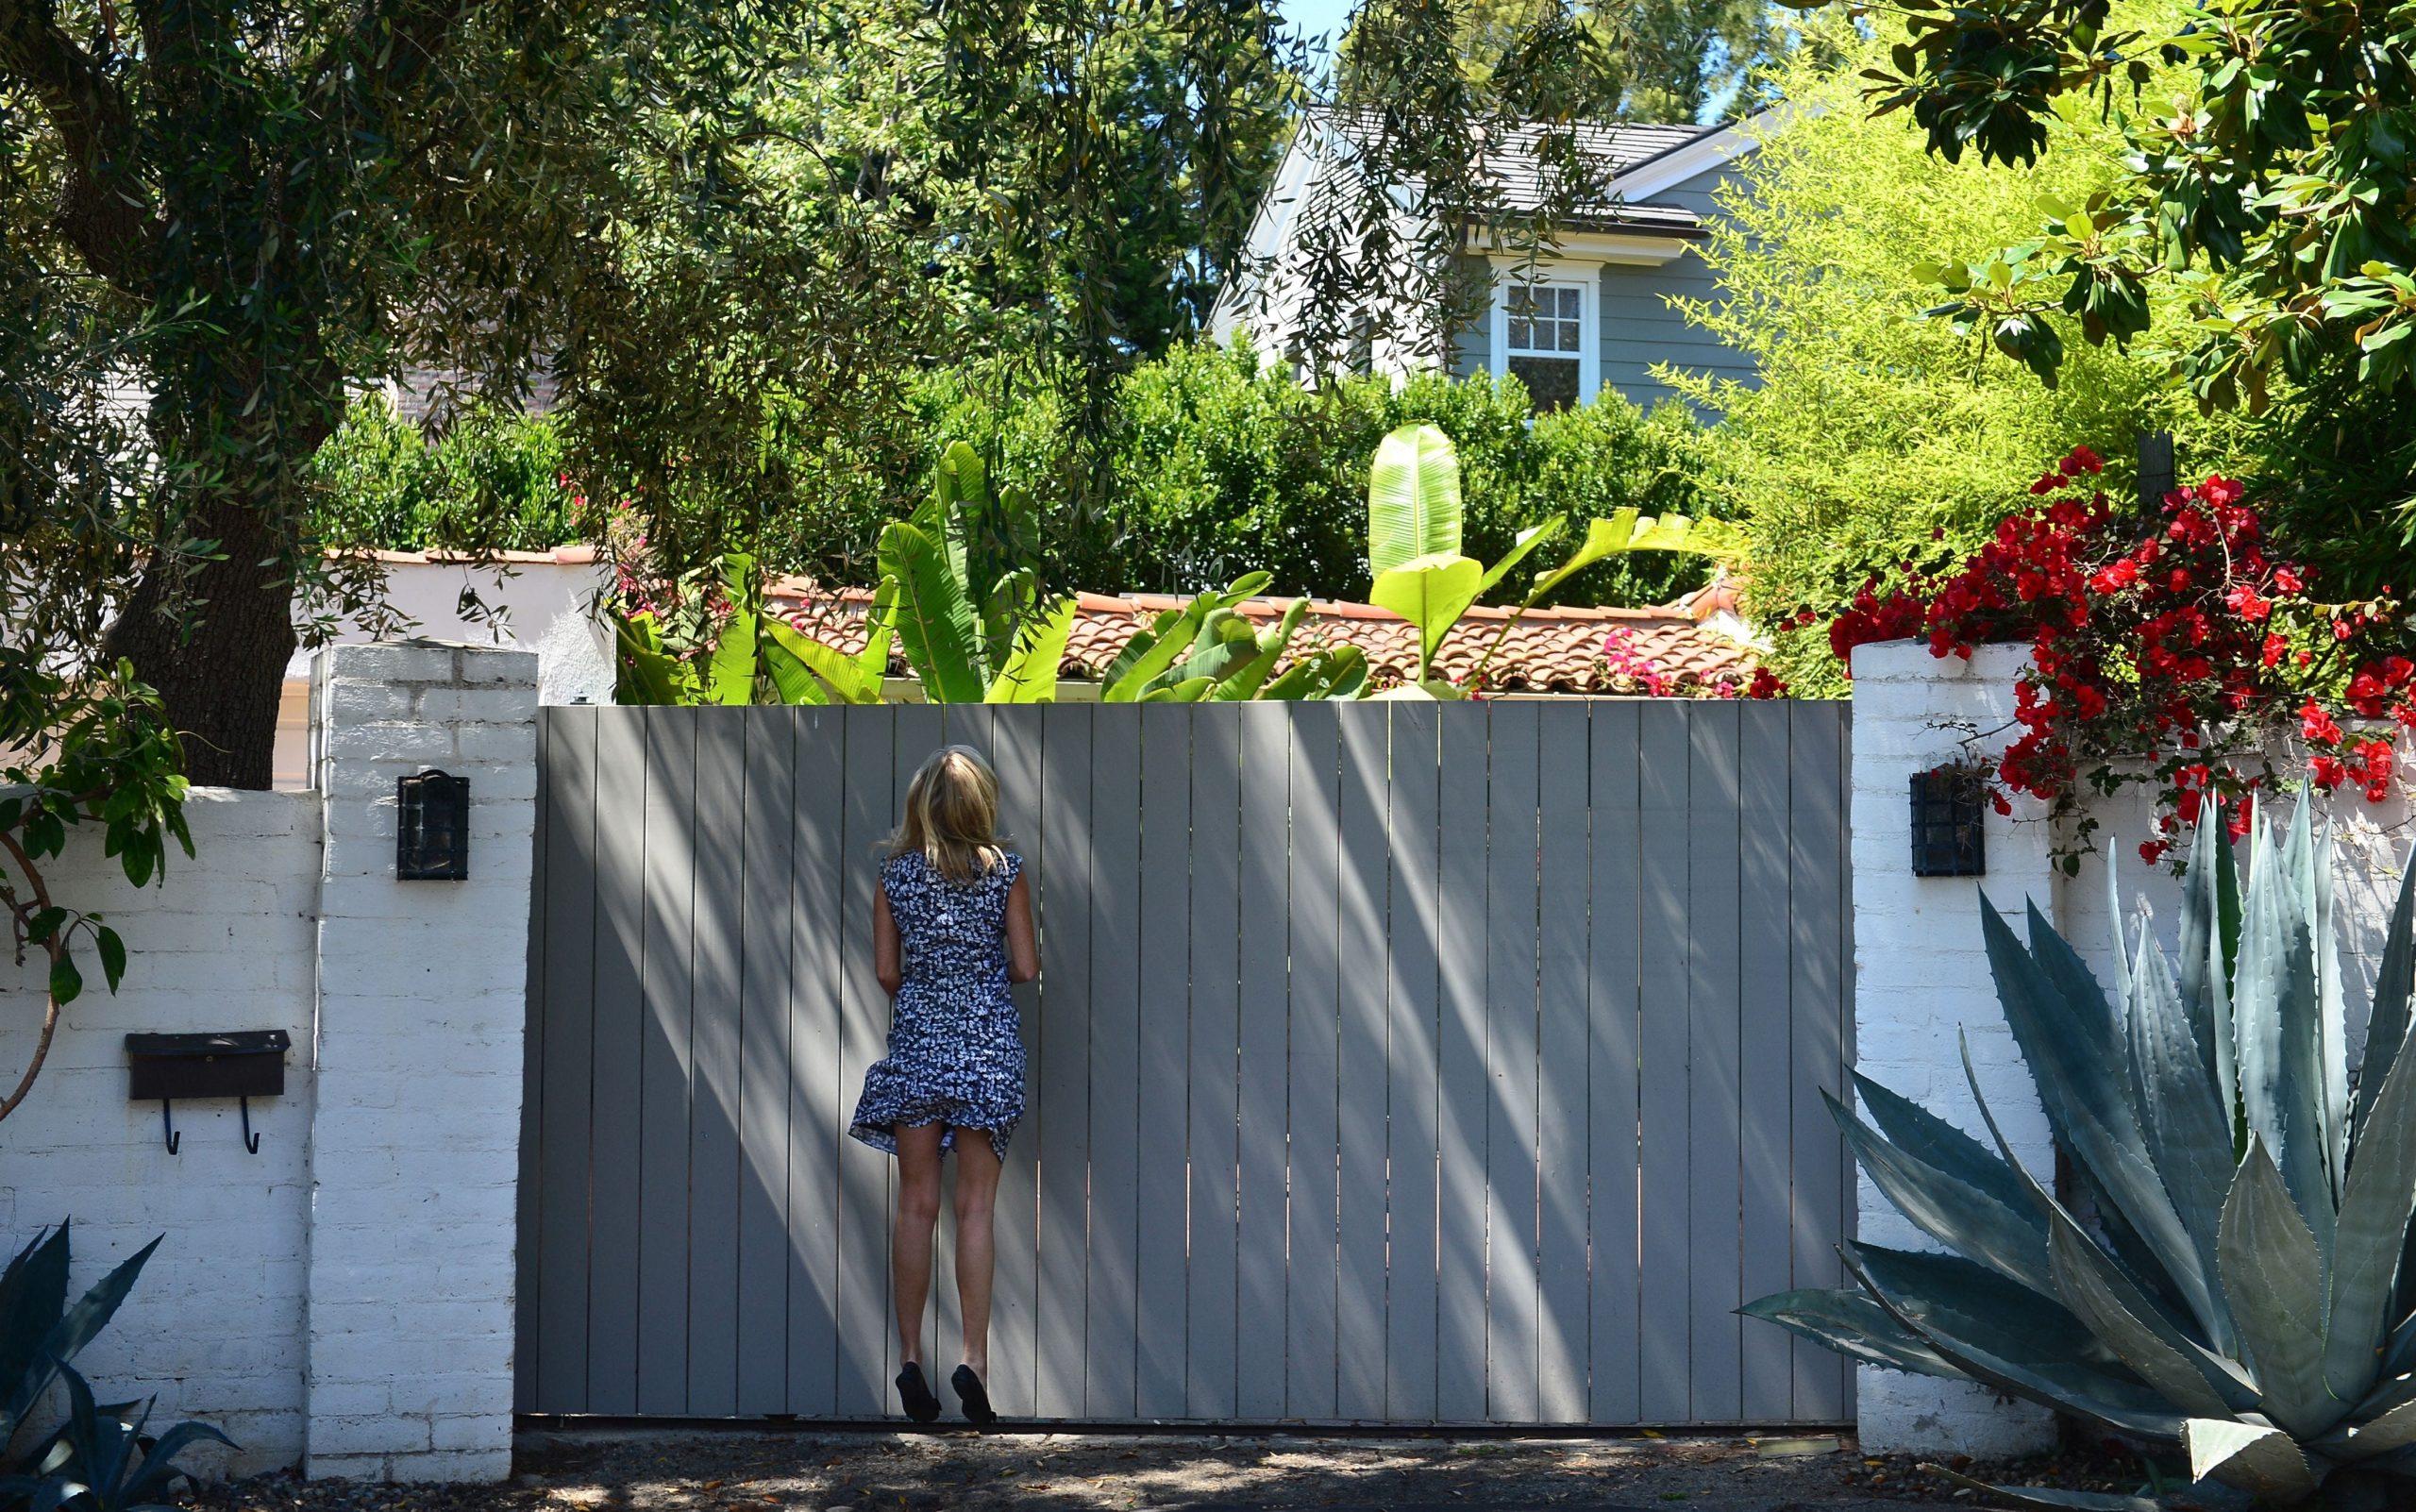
column 219, row 667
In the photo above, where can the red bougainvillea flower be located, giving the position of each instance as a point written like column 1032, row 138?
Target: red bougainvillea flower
column 2288, row 581
column 2316, row 726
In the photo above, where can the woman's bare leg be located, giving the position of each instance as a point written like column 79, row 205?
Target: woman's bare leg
column 910, row 1249
column 977, row 1195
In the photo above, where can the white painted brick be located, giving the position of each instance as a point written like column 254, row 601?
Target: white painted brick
column 506, row 705
column 489, row 665
column 388, row 662
column 415, row 1146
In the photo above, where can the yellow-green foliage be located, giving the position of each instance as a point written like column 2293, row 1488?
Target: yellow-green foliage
column 1872, row 428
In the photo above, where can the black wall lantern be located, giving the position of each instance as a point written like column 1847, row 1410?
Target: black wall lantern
column 1949, row 838
column 242, row 1064
column 432, row 842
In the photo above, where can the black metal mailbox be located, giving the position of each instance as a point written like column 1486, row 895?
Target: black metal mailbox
column 244, row 1063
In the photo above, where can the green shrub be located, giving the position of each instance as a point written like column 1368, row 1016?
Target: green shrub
column 490, row 482
column 1224, row 465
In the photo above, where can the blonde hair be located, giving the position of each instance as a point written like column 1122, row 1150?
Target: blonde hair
column 952, row 816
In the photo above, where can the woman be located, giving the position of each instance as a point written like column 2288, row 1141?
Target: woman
column 952, row 930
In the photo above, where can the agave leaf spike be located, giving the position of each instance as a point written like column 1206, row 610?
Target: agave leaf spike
column 2095, row 1287
column 2203, row 980
column 2274, row 1016
column 2011, row 1240
column 2273, row 1275
column 1853, row 1325
column 2050, row 1497
column 2088, row 1101
column 2332, row 1022
column 2018, row 1378
column 2387, row 1027
column 2255, row 1458
column 1933, row 1141
column 2367, row 1246
column 2394, row 1429
column 2191, row 1130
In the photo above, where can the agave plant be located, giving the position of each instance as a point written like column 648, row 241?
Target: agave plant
column 2224, row 1268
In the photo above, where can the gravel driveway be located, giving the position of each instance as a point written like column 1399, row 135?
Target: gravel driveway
column 661, row 1470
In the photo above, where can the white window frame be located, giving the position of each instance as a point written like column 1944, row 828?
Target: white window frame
column 1586, row 278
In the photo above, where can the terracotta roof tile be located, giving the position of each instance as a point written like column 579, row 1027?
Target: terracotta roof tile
column 1549, row 650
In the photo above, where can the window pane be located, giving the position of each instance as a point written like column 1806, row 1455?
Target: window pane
column 1523, row 301
column 1520, row 337
column 1569, row 336
column 1551, row 381
column 1567, row 303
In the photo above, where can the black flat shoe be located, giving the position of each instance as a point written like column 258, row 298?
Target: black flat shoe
column 921, row 1405
column 976, row 1399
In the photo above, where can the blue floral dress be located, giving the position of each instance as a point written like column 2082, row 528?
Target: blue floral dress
column 955, row 1047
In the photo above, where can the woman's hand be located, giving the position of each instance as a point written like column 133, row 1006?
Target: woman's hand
column 886, row 964
column 1023, row 957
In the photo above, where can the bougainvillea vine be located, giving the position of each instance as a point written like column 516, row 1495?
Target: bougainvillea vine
column 2176, row 649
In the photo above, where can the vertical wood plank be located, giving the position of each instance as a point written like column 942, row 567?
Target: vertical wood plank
column 1765, row 1065
column 1821, row 950
column 865, row 1342
column 1265, row 735
column 1463, row 1096
column 1359, row 1300
column 569, row 1007
column 1061, row 1350
column 1612, row 1061
column 665, row 1093
column 1511, row 1345
column 1165, row 949
column 1214, row 927
column 612, row 1321
column 922, row 730
column 1663, row 1070
column 1715, row 1108
column 1564, row 766
column 1310, row 1278
column 1116, row 1058
column 819, row 1105
column 1411, row 1064
column 528, row 1217
column 1010, row 736
column 764, row 910
column 720, row 838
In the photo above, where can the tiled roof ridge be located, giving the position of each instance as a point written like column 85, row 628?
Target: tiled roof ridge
column 1274, row 607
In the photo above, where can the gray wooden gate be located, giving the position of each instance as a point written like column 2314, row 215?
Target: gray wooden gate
column 1390, row 1062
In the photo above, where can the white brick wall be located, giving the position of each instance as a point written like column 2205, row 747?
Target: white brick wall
column 214, row 1327
column 1921, row 972
column 421, row 998
column 345, row 1295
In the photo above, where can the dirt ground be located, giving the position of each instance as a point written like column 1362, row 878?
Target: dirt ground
column 659, row 1470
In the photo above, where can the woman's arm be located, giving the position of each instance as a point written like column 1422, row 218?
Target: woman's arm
column 885, row 944
column 1023, row 957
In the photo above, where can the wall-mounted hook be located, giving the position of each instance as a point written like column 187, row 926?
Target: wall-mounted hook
column 251, row 1140
column 168, row 1128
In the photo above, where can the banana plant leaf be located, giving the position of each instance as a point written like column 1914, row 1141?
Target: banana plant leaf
column 1521, row 547
column 1030, row 674
column 731, row 670
column 1628, row 529
column 644, row 672
column 1412, row 498
column 792, row 680
column 935, row 619
column 841, row 675
column 881, row 633
column 1336, row 672
column 1431, row 592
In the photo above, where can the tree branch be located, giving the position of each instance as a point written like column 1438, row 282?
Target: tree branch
column 104, row 212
